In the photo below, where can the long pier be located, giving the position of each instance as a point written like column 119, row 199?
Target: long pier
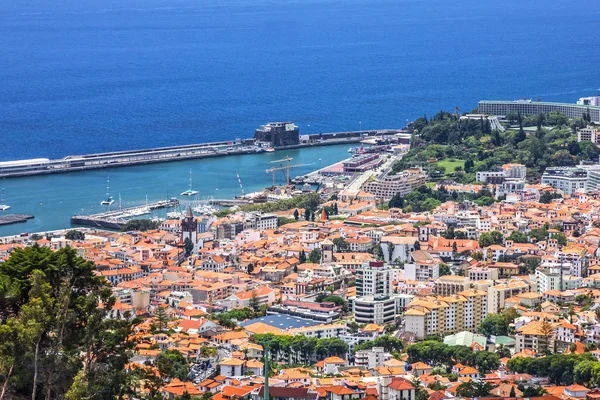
column 43, row 166
column 118, row 218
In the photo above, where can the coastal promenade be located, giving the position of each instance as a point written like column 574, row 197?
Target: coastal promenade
column 43, row 166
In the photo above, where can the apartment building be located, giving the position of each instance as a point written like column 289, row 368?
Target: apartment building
column 373, row 279
column 372, row 358
column 498, row 294
column 549, row 278
column 587, row 134
column 538, row 336
column 321, row 331
column 577, row 257
column 261, row 221
column 451, row 284
column 380, row 310
column 443, row 315
column 480, row 273
column 423, row 271
column 506, row 171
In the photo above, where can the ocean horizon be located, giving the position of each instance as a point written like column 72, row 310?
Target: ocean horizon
column 92, row 76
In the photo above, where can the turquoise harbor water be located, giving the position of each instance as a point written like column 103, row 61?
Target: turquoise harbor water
column 86, row 76
column 54, row 198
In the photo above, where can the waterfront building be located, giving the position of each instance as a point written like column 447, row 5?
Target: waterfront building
column 528, row 107
column 278, row 134
column 361, row 163
column 589, row 101
column 389, row 184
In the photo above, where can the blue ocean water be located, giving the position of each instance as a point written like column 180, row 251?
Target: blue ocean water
column 80, row 76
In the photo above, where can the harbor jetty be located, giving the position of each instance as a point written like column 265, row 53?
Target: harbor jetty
column 118, row 218
column 271, row 137
column 14, row 218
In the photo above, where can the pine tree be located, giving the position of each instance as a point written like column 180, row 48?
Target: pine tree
column 162, row 318
column 188, row 246
column 302, row 257
column 254, row 304
column 296, row 215
column 306, row 214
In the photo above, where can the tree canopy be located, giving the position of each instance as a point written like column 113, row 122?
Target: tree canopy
column 57, row 337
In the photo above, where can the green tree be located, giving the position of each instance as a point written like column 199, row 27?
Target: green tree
column 444, row 270
column 473, row 389
column 518, row 237
column 341, row 244
column 171, row 364
column 548, row 196
column 503, row 351
column 561, row 238
column 254, row 303
column 315, row 256
column 74, row 235
column 417, row 245
column 188, row 246
column 378, row 252
column 306, row 214
column 162, row 318
column 302, row 257
column 296, row 214
column 140, row 225
column 51, row 316
column 487, row 239
column 498, row 324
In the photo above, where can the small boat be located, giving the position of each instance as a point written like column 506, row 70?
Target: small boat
column 175, row 215
column 270, row 150
column 190, row 192
column 109, row 200
column 3, row 207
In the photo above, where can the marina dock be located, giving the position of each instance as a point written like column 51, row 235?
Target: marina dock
column 118, row 218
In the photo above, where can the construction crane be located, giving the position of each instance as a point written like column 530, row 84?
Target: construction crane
column 284, row 169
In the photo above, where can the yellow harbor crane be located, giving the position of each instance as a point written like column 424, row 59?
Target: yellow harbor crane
column 285, row 169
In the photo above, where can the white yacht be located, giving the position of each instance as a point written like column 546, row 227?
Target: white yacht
column 190, row 192
column 3, row 207
column 109, row 200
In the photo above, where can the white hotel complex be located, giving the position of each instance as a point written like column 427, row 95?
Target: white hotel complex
column 529, row 107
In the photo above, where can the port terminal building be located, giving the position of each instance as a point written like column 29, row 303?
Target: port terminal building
column 528, row 107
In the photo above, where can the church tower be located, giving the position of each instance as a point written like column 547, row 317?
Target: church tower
column 189, row 228
column 327, row 251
